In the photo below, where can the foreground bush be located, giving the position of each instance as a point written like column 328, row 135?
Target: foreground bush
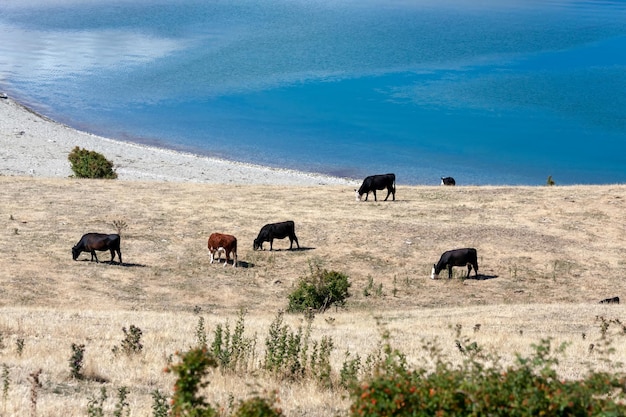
column 191, row 373
column 90, row 164
column 482, row 387
column 191, row 377
column 318, row 291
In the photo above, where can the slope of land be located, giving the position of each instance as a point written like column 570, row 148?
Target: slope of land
column 547, row 255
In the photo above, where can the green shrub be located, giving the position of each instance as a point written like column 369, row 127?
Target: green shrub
column 481, row 386
column 122, row 407
column 320, row 290
column 292, row 355
column 160, row 406
column 95, row 405
column 131, row 342
column 191, row 372
column 76, row 361
column 232, row 350
column 258, row 407
column 285, row 350
column 90, row 164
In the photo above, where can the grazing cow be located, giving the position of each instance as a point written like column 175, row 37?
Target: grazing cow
column 447, row 181
column 272, row 231
column 377, row 182
column 456, row 257
column 91, row 242
column 219, row 242
column 614, row 300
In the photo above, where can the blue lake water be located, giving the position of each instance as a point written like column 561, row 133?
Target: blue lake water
column 500, row 92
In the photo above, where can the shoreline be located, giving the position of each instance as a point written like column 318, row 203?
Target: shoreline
column 34, row 145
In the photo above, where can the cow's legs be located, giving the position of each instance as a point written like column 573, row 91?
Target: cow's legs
column 449, row 271
column 392, row 191
column 291, row 239
column 374, row 191
column 212, row 252
column 93, row 255
column 271, row 243
column 119, row 255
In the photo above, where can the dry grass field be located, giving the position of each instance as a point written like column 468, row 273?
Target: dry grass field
column 547, row 255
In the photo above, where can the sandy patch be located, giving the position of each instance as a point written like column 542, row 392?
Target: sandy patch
column 33, row 145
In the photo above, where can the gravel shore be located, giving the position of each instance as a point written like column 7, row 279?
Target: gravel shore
column 33, row 145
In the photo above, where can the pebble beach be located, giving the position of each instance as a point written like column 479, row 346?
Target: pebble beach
column 34, row 145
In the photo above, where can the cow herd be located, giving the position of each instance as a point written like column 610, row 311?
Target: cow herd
column 223, row 243
column 227, row 244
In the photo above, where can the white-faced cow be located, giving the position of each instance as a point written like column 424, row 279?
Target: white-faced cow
column 377, row 182
column 456, row 257
column 447, row 181
column 272, row 231
column 92, row 242
column 219, row 242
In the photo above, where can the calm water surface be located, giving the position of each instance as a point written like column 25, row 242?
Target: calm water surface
column 504, row 92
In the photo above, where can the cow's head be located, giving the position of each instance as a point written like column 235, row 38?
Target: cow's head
column 357, row 195
column 257, row 244
column 75, row 252
column 434, row 274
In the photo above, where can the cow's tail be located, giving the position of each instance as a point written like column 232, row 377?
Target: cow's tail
column 394, row 183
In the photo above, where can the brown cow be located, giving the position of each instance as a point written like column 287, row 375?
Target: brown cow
column 219, row 242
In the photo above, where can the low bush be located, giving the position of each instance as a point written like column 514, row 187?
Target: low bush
column 132, row 341
column 480, row 386
column 90, row 164
column 319, row 291
column 258, row 407
column 231, row 349
column 191, row 373
column 76, row 361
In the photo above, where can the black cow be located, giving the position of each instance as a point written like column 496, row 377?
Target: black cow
column 614, row 300
column 377, row 182
column 447, row 181
column 91, row 242
column 456, row 257
column 272, row 231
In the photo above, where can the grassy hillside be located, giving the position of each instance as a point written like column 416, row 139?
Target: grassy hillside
column 546, row 256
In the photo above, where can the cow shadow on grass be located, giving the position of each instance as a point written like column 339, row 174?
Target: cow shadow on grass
column 123, row 264
column 481, row 277
column 300, row 249
column 245, row 264
column 131, row 265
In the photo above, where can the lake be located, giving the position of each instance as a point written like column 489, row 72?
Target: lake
column 499, row 92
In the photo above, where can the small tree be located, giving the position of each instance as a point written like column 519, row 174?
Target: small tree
column 320, row 290
column 90, row 164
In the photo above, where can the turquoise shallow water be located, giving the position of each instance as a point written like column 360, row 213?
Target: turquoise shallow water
column 504, row 92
